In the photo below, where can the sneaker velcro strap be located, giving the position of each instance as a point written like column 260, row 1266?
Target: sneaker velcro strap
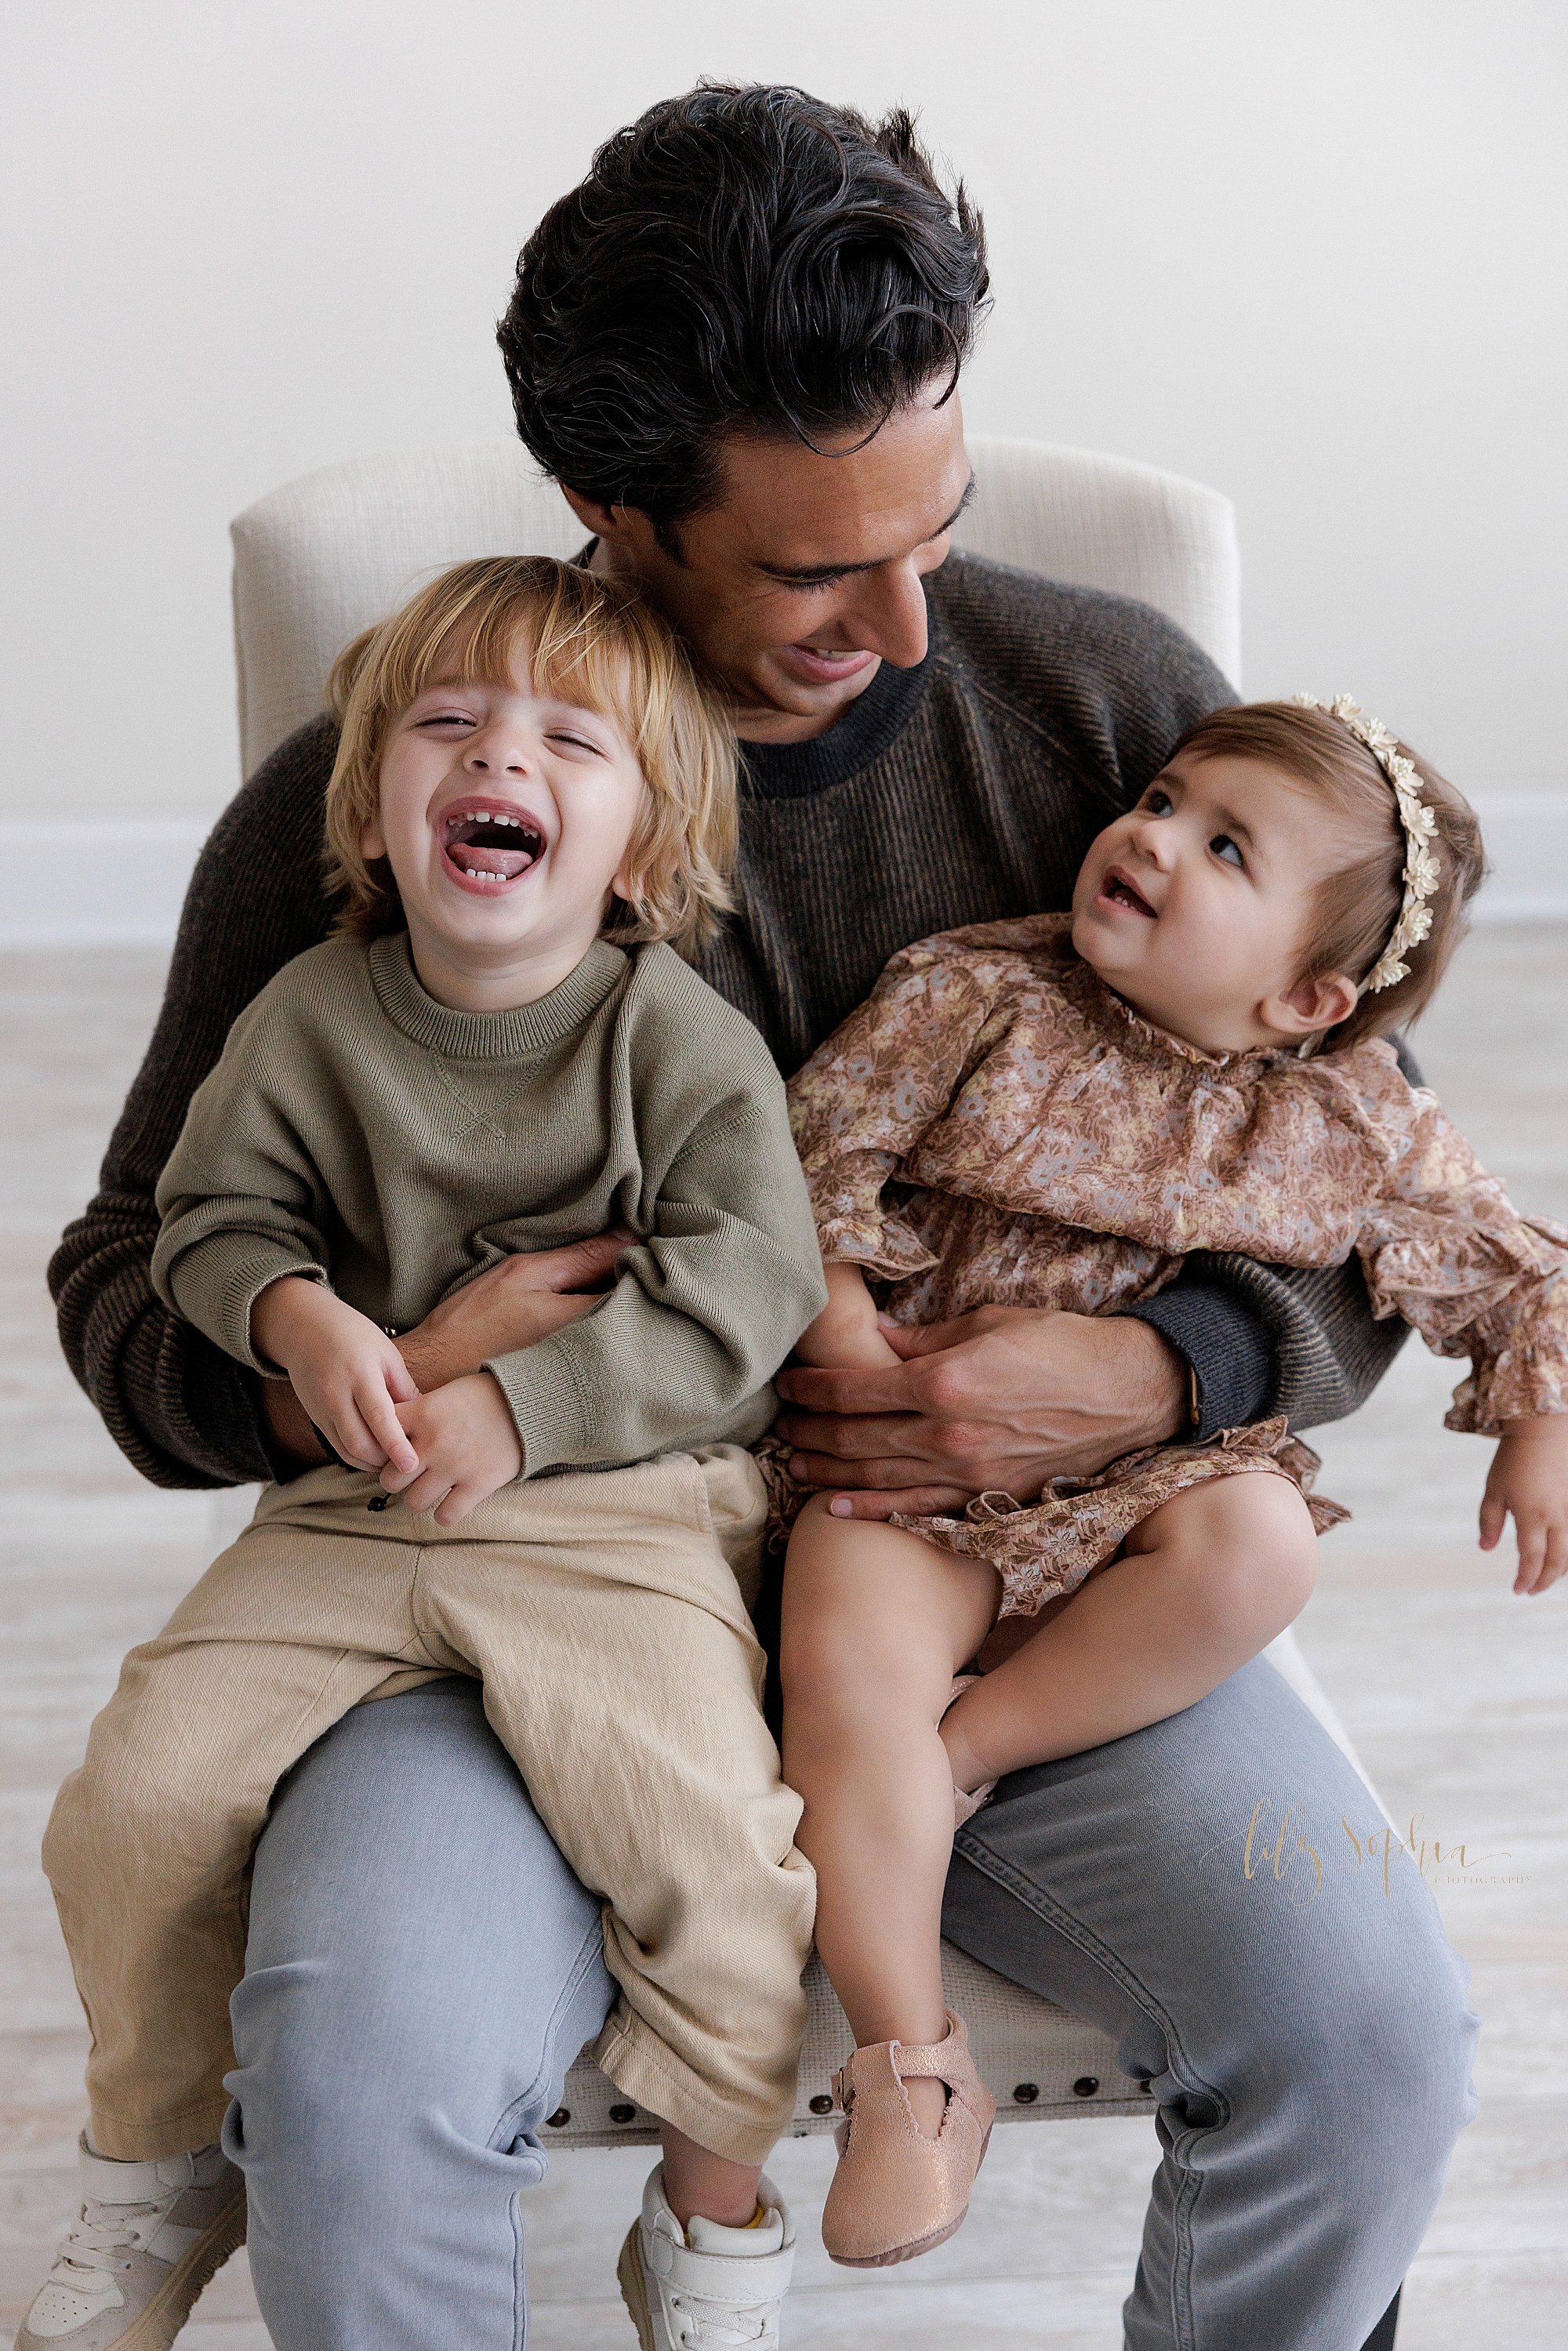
column 731, row 2279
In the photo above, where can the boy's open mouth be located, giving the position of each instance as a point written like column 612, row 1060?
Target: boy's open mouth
column 488, row 846
column 1119, row 892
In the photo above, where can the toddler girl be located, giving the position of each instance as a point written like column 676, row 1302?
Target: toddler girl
column 1052, row 1113
column 532, row 807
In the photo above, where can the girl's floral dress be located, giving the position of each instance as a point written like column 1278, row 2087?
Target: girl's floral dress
column 995, row 1127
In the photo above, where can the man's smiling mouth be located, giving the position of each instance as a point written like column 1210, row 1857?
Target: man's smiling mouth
column 490, row 845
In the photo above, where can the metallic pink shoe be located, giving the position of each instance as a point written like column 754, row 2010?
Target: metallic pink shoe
column 897, row 2193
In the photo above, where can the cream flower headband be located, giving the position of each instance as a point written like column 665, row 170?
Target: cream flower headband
column 1421, row 822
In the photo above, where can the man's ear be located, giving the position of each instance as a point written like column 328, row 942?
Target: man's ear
column 372, row 840
column 600, row 520
column 1311, row 1006
column 625, row 530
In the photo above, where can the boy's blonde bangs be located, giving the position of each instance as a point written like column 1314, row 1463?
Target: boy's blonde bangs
column 590, row 641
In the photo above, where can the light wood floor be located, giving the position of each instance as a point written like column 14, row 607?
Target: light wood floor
column 1457, row 1693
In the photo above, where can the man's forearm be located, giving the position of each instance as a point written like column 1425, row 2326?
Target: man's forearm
column 1327, row 1353
column 182, row 1411
column 1227, row 1347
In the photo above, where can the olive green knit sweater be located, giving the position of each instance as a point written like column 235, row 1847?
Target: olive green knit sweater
column 358, row 1131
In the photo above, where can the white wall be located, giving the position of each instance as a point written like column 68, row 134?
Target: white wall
column 1312, row 254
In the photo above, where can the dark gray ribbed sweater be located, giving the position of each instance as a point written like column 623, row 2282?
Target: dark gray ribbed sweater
column 957, row 792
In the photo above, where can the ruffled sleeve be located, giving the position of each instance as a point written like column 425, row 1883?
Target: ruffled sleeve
column 1445, row 1248
column 862, row 1104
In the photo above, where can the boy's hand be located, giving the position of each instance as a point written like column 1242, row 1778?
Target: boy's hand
column 347, row 1375
column 1529, row 1476
column 467, row 1445
column 846, row 1335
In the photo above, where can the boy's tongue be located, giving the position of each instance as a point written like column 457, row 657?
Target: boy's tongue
column 470, row 859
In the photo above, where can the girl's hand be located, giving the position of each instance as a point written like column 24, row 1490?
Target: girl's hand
column 846, row 1335
column 1529, row 1476
column 467, row 1445
column 347, row 1375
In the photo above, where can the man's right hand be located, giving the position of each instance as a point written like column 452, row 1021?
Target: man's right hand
column 508, row 1306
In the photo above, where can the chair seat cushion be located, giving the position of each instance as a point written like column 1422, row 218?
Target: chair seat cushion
column 1036, row 2060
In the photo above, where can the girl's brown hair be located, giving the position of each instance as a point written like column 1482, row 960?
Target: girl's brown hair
column 593, row 643
column 1355, row 909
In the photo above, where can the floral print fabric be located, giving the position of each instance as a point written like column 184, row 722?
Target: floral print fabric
column 994, row 1127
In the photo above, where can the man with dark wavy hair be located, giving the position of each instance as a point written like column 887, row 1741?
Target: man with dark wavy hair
column 736, row 347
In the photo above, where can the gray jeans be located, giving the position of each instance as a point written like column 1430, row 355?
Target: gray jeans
column 424, row 1968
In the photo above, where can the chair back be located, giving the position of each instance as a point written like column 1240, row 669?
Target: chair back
column 320, row 558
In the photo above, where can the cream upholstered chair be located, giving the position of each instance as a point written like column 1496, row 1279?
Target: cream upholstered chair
column 323, row 557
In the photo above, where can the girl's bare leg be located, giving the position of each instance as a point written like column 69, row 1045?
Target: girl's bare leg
column 1204, row 1583
column 875, row 1623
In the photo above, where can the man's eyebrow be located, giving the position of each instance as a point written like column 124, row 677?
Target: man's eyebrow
column 803, row 573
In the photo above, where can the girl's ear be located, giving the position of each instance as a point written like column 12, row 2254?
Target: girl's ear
column 372, row 840
column 1311, row 1006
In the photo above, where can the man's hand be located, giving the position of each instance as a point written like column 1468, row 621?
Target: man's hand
column 1529, row 1478
column 289, row 1426
column 467, row 1445
column 999, row 1400
column 346, row 1372
column 508, row 1306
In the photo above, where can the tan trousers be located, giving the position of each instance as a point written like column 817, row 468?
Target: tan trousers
column 602, row 1611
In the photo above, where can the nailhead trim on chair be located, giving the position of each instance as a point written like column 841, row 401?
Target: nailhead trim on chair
column 1038, row 2062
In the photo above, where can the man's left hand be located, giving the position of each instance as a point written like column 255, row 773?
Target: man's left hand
column 997, row 1401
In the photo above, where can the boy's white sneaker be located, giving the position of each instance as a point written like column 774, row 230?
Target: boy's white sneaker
column 149, row 2237
column 708, row 2288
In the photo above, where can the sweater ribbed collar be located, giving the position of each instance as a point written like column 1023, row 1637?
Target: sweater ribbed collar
column 791, row 771
column 489, row 1036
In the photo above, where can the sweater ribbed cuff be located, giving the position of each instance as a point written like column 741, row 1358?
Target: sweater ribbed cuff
column 546, row 1403
column 1225, row 1344
column 215, row 1284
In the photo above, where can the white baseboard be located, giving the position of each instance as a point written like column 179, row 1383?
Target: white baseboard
column 80, row 883
column 1525, row 828
column 75, row 882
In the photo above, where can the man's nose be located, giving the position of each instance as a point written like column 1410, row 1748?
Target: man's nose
column 888, row 614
